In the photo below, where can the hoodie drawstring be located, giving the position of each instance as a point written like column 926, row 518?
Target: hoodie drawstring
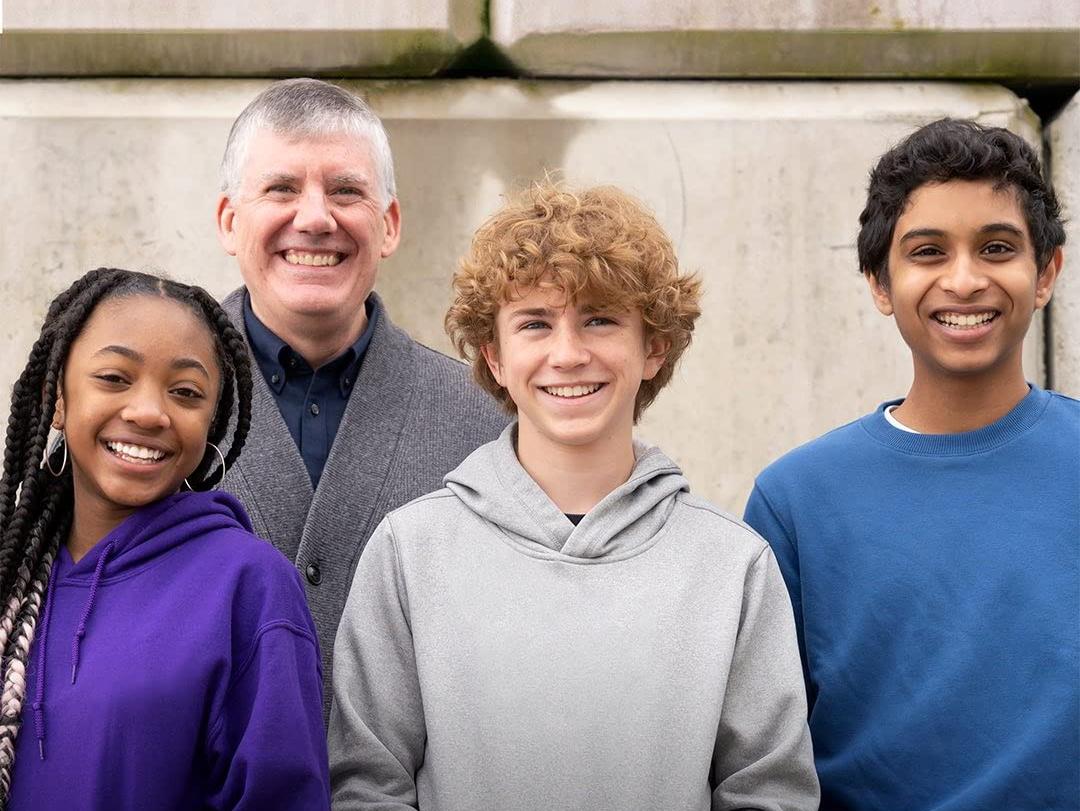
column 80, row 632
column 43, row 638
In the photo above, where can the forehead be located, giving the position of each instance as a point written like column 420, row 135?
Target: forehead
column 273, row 152
column 961, row 206
column 158, row 328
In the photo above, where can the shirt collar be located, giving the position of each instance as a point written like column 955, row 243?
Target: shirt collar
column 278, row 360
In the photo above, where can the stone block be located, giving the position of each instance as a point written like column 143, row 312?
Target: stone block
column 760, row 186
column 1064, row 318
column 996, row 39
column 207, row 38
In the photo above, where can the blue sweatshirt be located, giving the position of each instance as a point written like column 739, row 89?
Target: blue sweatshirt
column 181, row 671
column 936, row 587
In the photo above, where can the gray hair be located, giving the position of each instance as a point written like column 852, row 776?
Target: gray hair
column 311, row 108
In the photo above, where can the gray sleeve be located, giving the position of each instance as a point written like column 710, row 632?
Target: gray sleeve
column 763, row 758
column 377, row 730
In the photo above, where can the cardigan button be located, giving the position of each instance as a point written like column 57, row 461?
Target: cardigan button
column 314, row 574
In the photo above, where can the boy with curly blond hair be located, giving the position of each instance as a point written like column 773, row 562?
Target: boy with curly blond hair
column 564, row 625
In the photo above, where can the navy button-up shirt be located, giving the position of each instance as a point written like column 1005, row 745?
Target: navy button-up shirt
column 312, row 401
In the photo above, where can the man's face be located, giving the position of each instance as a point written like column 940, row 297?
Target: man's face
column 308, row 226
column 963, row 281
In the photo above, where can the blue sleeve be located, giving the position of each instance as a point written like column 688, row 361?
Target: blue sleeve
column 764, row 519
column 267, row 747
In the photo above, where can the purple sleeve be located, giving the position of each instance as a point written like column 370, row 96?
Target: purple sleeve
column 267, row 747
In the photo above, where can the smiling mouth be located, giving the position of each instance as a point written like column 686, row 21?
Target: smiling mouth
column 316, row 259
column 965, row 320
column 136, row 454
column 572, row 392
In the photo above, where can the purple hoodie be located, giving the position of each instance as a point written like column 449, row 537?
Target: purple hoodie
column 181, row 671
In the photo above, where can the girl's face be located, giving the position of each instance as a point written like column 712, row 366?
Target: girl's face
column 139, row 391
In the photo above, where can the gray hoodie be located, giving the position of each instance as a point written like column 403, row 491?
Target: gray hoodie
column 494, row 656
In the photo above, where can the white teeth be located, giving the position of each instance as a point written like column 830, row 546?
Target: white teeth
column 312, row 259
column 961, row 320
column 571, row 391
column 135, row 453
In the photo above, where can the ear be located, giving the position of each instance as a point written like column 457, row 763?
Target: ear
column 656, row 351
column 392, row 225
column 880, row 294
column 1044, row 283
column 226, row 221
column 58, row 414
column 491, row 357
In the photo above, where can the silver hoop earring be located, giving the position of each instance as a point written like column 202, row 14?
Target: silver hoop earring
column 221, row 456
column 50, row 451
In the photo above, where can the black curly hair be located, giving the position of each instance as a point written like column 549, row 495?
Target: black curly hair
column 955, row 149
column 36, row 506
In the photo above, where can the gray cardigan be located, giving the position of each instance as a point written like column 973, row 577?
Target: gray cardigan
column 412, row 416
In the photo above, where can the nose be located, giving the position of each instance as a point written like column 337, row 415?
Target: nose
column 568, row 349
column 964, row 276
column 146, row 409
column 313, row 215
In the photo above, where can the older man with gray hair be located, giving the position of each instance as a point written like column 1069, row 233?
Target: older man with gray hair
column 351, row 418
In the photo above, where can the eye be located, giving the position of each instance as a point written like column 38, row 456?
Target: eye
column 280, row 189
column 599, row 321
column 999, row 250
column 111, row 378
column 348, row 191
column 927, row 252
column 531, row 325
column 188, row 393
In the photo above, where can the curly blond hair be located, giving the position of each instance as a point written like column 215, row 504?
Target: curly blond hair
column 595, row 245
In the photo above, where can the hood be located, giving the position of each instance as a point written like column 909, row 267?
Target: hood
column 151, row 531
column 493, row 484
column 142, row 537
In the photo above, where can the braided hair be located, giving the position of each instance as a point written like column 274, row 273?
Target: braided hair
column 36, row 506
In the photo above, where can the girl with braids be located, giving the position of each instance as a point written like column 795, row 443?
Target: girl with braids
column 156, row 654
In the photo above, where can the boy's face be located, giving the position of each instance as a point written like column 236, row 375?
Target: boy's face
column 572, row 371
column 963, row 281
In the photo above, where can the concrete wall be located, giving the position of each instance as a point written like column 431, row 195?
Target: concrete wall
column 1064, row 141
column 990, row 39
column 759, row 184
column 212, row 38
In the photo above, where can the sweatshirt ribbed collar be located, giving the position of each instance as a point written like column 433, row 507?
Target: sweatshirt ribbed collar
column 1017, row 422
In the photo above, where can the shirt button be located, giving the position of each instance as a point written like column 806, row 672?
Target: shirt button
column 347, row 382
column 275, row 378
column 314, row 409
column 314, row 574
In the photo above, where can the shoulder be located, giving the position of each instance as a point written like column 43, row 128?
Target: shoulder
column 440, row 384
column 1063, row 407
column 258, row 577
column 824, row 453
column 716, row 525
column 429, row 513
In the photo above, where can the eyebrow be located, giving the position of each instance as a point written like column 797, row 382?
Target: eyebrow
column 533, row 312
column 349, row 180
column 990, row 228
column 138, row 357
column 277, row 177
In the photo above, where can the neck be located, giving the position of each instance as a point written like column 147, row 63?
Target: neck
column 317, row 339
column 90, row 526
column 951, row 404
column 576, row 478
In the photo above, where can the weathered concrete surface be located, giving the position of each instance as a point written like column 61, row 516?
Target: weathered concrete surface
column 209, row 38
column 994, row 39
column 1064, row 142
column 760, row 185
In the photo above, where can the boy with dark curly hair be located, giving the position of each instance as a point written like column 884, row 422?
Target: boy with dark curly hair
column 930, row 548
column 564, row 626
